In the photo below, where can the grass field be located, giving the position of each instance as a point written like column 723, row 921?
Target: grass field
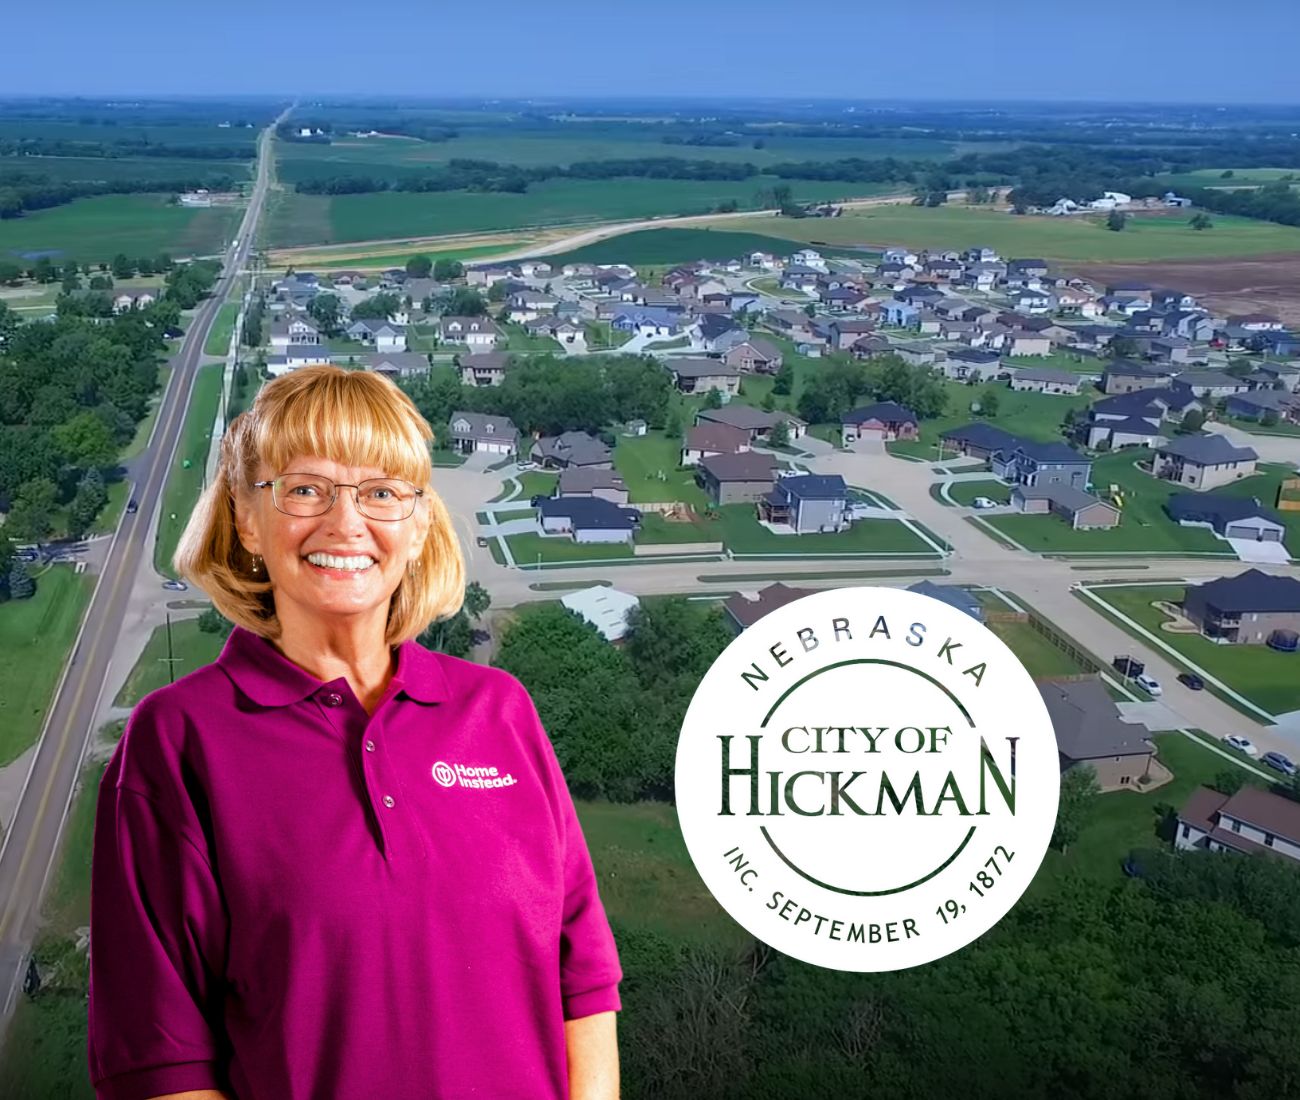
column 963, row 492
column 97, row 169
column 95, row 229
column 35, row 637
column 529, row 549
column 1153, row 237
column 642, row 459
column 190, row 649
column 674, row 246
column 1266, row 677
column 222, row 328
column 184, row 485
column 295, row 219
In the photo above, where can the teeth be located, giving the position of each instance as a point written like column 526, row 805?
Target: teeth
column 332, row 561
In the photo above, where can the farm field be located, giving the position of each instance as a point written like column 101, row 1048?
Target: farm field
column 123, row 168
column 296, row 219
column 1154, row 237
column 674, row 246
column 1266, row 677
column 96, row 229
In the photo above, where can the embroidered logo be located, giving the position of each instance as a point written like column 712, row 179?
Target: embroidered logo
column 471, row 775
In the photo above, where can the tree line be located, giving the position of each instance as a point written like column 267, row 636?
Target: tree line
column 129, row 147
column 21, row 192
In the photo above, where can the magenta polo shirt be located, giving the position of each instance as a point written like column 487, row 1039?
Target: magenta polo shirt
column 294, row 900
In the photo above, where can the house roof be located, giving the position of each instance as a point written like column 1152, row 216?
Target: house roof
column 483, row 426
column 713, row 325
column 742, row 416
column 1048, row 374
column 1206, row 378
column 1049, row 452
column 1066, row 496
column 1268, row 812
column 404, row 361
column 765, row 348
column 604, row 607
column 590, row 513
column 747, row 610
column 712, row 436
column 1131, row 425
column 1206, row 450
column 954, row 595
column 577, row 448
column 983, row 435
column 887, row 412
column 746, row 466
column 1136, row 403
column 815, row 486
column 701, row 368
column 581, row 479
column 1252, row 590
column 469, row 324
column 1125, row 368
column 484, row 360
column 1087, row 722
column 1218, row 509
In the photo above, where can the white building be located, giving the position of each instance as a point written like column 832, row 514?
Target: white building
column 605, row 608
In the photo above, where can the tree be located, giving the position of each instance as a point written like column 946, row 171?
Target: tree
column 446, row 270
column 1193, row 420
column 1227, row 175
column 783, row 383
column 1269, row 418
column 31, row 518
column 713, row 399
column 466, row 303
column 123, row 268
column 212, row 621
column 1123, row 347
column 769, row 401
column 810, row 310
column 1079, row 791
column 1201, row 221
column 86, row 440
column 419, row 267
column 91, row 496
column 779, row 436
column 1229, row 781
column 327, row 311
column 21, row 585
column 1116, row 220
column 989, row 402
column 497, row 291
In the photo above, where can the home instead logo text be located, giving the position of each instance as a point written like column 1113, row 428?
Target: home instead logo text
column 474, row 776
column 867, row 779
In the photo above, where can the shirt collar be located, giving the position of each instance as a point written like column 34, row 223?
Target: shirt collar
column 270, row 679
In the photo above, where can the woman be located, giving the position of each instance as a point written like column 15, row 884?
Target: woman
column 334, row 864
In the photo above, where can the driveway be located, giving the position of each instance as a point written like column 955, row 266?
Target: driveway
column 1260, row 552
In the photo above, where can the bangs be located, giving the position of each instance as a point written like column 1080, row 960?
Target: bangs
column 351, row 418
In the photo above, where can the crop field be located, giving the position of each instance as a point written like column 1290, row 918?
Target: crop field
column 123, row 168
column 296, row 219
column 61, row 129
column 1147, row 237
column 96, row 229
column 402, row 155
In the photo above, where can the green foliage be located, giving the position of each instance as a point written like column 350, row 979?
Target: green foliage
column 419, row 267
column 377, row 307
column 211, row 621
column 465, row 302
column 31, row 518
column 779, row 436
column 1116, row 220
column 455, row 635
column 713, row 399
column 189, row 284
column 1079, row 792
column 1229, row 781
column 1201, row 221
column 446, row 270
column 989, row 402
column 91, row 496
column 783, row 383
column 21, row 586
column 327, row 311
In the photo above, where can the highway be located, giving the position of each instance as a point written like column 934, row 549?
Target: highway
column 31, row 844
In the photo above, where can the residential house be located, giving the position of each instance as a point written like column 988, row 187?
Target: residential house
column 719, row 333
column 1211, row 383
column 793, row 325
column 807, row 503
column 604, row 607
column 1031, row 463
column 1024, row 342
column 1089, row 731
column 736, row 479
column 972, row 365
column 1259, row 404
column 871, row 347
column 754, row 421
column 1250, row 822
column 977, row 440
column 398, row 364
column 1035, row 268
column 484, row 368
column 1046, row 380
column 1126, row 420
column 476, row 333
column 473, row 432
column 745, row 609
column 1249, row 609
column 1032, row 301
column 1125, row 376
column 528, row 305
column 590, row 481
column 755, row 354
column 1228, row 517
column 648, row 321
column 845, row 333
column 295, row 356
column 701, row 375
column 954, row 595
column 296, row 330
column 916, row 353
column 488, row 275
column 383, row 335
column 902, row 314
column 1080, row 510
column 709, row 438
column 883, row 421
column 588, row 519
column 1203, row 461
column 572, row 448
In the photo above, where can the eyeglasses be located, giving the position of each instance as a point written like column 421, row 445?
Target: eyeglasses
column 383, row 498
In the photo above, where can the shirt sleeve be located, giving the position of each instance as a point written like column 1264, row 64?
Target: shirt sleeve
column 589, row 966
column 158, row 933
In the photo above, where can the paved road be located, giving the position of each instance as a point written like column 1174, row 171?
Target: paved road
column 32, row 841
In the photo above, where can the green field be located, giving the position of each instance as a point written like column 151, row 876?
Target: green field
column 190, row 649
column 219, row 336
column 295, row 219
column 1266, row 677
column 96, row 229
column 963, row 492
column 674, row 246
column 184, row 485
column 530, row 550
column 107, row 169
column 1148, row 237
column 642, row 459
column 35, row 637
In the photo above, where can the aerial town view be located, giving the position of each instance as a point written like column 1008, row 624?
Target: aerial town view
column 693, row 346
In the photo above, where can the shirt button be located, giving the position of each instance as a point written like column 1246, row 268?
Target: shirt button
column 388, row 801
column 370, row 746
column 332, row 699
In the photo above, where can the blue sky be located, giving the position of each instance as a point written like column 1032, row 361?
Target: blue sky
column 1180, row 50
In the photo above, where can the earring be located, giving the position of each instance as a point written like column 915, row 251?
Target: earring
column 257, row 564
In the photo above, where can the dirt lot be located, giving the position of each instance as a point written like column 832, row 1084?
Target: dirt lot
column 1263, row 284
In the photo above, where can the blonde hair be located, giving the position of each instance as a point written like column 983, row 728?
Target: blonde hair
column 356, row 418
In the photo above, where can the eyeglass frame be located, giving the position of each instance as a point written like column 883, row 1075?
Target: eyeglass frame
column 334, row 497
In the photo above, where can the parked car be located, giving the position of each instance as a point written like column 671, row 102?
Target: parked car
column 983, row 502
column 1191, row 680
column 132, row 506
column 28, row 554
column 1241, row 744
column 176, row 586
column 526, row 465
column 1149, row 684
column 1278, row 762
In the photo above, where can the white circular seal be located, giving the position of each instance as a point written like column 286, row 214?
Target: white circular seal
column 867, row 779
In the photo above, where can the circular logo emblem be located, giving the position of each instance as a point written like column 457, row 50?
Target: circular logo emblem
column 867, row 779
column 443, row 774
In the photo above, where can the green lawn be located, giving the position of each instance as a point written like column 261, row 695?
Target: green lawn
column 108, row 516
column 1039, row 656
column 602, row 336
column 743, row 534
column 528, row 549
column 95, row 229
column 963, row 492
column 1144, row 526
column 519, row 339
column 531, row 483
column 190, row 649
column 219, row 336
column 656, row 529
column 36, row 636
column 1032, row 415
column 183, row 486
column 1147, row 237
column 649, row 465
column 1266, row 677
